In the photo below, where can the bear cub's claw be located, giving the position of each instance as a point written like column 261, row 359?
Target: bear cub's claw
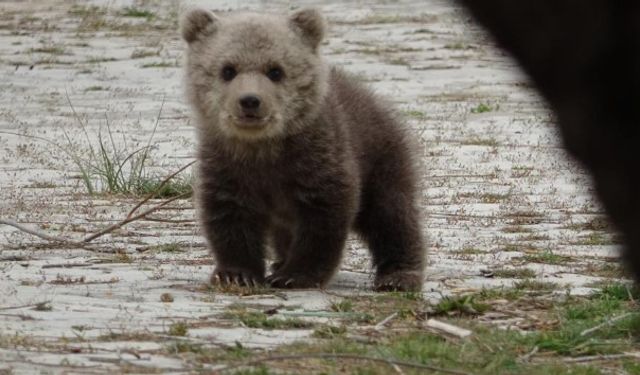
column 236, row 276
column 291, row 280
column 399, row 281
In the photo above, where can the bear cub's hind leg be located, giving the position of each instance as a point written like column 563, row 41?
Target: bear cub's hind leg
column 389, row 222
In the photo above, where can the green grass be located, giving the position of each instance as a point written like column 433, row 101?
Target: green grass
column 595, row 239
column 161, row 64
column 419, row 115
column 459, row 306
column 344, row 305
column 110, row 167
column 137, row 13
column 547, row 257
column 96, row 88
column 493, row 198
column 329, row 331
column 53, row 50
column 258, row 319
column 564, row 329
column 488, row 142
column 509, row 294
column 484, row 107
column 172, row 188
column 533, row 285
column 618, row 291
column 167, row 248
column 514, row 273
column 142, row 53
column 178, row 329
column 457, row 46
column 97, row 60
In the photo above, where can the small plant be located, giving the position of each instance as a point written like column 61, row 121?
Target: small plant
column 53, row 50
column 327, row 331
column 167, row 248
column 137, row 13
column 535, row 285
column 475, row 141
column 166, row 297
column 178, row 329
column 619, row 291
column 160, row 64
column 258, row 319
column 107, row 166
column 43, row 306
column 175, row 187
column 142, row 53
column 493, row 198
column 515, row 273
column 120, row 257
column 342, row 306
column 460, row 305
column 547, row 257
column 416, row 114
column 456, row 45
column 95, row 88
column 483, row 107
column 184, row 347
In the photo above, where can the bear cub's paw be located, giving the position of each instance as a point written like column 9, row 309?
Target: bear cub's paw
column 399, row 281
column 281, row 278
column 236, row 276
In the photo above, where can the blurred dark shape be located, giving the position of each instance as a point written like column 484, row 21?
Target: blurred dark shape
column 584, row 57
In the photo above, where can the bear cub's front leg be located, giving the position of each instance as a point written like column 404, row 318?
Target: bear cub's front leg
column 315, row 249
column 236, row 236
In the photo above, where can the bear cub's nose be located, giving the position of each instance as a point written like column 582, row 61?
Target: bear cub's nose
column 250, row 102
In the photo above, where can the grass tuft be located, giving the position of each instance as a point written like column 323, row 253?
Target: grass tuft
column 460, row 306
column 178, row 329
column 109, row 167
column 484, row 107
column 137, row 13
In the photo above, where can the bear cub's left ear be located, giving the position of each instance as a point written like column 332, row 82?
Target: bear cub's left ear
column 196, row 23
column 310, row 23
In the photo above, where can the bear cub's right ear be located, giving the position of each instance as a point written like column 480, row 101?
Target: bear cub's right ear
column 196, row 23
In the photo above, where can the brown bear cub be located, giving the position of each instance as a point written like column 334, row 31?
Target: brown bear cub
column 293, row 152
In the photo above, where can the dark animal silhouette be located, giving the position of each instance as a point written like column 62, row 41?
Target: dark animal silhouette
column 584, row 57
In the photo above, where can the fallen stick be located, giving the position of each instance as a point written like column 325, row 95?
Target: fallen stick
column 383, row 323
column 40, row 234
column 157, row 189
column 606, row 323
column 447, row 328
column 602, row 357
column 115, row 226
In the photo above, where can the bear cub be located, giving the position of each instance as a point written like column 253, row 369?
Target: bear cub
column 295, row 154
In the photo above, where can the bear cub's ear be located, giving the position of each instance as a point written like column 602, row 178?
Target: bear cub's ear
column 196, row 23
column 310, row 23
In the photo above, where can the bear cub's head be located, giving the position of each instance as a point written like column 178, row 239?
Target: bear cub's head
column 254, row 76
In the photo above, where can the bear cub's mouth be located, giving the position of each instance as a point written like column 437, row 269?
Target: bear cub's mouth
column 250, row 121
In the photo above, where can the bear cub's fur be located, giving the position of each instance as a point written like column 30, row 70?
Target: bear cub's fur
column 296, row 153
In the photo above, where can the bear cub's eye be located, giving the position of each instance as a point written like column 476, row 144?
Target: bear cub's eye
column 228, row 73
column 275, row 74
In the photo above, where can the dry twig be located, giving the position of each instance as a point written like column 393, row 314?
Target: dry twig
column 446, row 328
column 384, row 321
column 129, row 219
column 602, row 357
column 606, row 323
column 157, row 190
